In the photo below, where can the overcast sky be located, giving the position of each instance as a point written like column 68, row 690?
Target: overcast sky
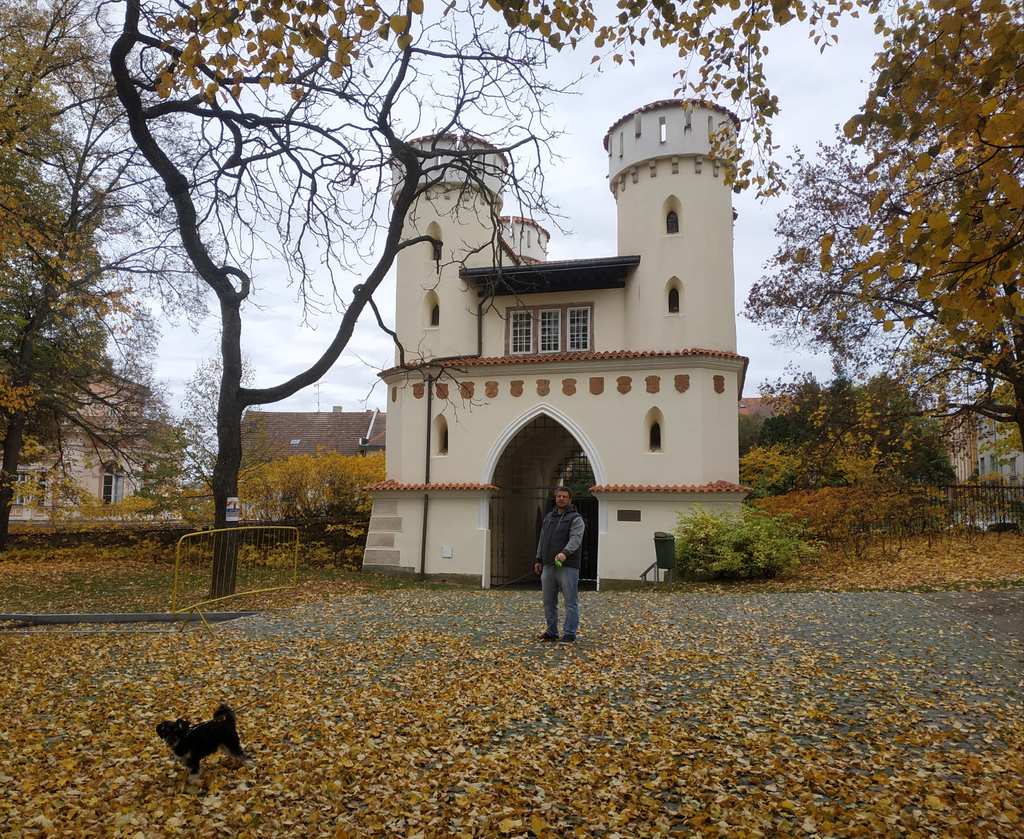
column 816, row 92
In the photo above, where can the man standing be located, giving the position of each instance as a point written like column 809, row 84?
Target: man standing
column 558, row 563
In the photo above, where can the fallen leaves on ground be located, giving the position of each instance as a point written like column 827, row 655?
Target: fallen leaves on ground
column 86, row 580
column 429, row 714
column 921, row 561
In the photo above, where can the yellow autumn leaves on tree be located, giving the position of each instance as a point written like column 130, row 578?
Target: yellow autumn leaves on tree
column 325, row 485
column 945, row 121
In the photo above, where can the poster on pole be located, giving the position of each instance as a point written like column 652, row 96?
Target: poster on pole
column 233, row 511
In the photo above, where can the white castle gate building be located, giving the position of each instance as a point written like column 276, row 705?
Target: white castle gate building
column 617, row 376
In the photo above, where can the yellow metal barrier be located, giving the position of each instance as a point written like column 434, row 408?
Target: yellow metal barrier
column 257, row 559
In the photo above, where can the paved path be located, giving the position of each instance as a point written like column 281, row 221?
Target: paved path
column 934, row 644
column 438, row 713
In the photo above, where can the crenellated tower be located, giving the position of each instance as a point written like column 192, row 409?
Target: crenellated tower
column 675, row 210
column 527, row 239
column 436, row 313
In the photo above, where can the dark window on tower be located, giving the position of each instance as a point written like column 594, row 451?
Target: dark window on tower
column 436, row 245
column 441, row 434
column 673, row 300
column 435, row 315
column 655, row 437
column 672, row 222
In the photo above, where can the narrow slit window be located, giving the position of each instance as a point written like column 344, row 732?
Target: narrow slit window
column 636, row 125
column 436, row 247
column 672, row 222
column 550, row 330
column 711, row 127
column 662, row 130
column 579, row 329
column 621, row 143
column 655, row 437
column 521, row 326
column 673, row 300
column 435, row 315
column 442, row 435
column 688, row 125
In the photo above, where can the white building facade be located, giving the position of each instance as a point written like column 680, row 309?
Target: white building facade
column 617, row 376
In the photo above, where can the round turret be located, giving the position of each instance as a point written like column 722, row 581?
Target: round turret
column 528, row 240
column 674, row 210
column 436, row 311
column 664, row 129
column 483, row 171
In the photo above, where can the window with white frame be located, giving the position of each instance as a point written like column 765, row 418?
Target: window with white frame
column 22, row 495
column 521, row 341
column 554, row 328
column 550, row 330
column 113, row 487
column 579, row 328
column 30, row 488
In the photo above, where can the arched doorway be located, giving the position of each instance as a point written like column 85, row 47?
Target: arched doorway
column 542, row 455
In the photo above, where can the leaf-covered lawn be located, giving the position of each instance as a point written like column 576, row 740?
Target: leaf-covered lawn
column 920, row 562
column 78, row 581
column 435, row 713
column 81, row 580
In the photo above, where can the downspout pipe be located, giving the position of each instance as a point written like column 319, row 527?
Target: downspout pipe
column 426, row 477
column 426, row 441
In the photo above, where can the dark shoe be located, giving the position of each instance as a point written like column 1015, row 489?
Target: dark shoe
column 568, row 639
column 546, row 637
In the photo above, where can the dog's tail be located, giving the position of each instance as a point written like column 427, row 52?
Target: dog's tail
column 225, row 713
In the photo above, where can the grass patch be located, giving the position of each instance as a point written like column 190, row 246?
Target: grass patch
column 138, row 578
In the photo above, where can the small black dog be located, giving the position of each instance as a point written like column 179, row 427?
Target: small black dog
column 191, row 743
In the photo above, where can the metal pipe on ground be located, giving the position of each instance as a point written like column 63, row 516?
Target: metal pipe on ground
column 27, row 619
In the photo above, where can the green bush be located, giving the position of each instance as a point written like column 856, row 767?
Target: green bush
column 740, row 546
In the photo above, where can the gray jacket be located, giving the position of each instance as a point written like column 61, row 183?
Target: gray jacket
column 561, row 532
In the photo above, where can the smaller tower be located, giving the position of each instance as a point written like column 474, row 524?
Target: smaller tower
column 435, row 312
column 675, row 210
column 527, row 239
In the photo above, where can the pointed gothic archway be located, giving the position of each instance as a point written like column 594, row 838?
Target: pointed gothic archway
column 542, row 454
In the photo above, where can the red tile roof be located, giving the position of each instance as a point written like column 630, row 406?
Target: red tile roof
column 757, row 406
column 603, row 355
column 662, row 103
column 715, row 486
column 396, row 486
column 269, row 434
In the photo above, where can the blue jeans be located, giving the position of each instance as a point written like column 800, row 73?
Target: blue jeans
column 567, row 580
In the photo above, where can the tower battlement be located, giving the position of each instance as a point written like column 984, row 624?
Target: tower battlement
column 526, row 238
column 669, row 129
column 471, row 161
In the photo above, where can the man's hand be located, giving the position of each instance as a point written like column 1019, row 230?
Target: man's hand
column 560, row 558
column 537, row 568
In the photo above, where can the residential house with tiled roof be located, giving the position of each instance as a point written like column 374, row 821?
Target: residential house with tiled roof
column 757, row 406
column 616, row 375
column 272, row 435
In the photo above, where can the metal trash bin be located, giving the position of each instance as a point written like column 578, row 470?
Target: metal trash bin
column 665, row 550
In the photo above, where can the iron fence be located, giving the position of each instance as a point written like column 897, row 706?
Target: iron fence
column 984, row 506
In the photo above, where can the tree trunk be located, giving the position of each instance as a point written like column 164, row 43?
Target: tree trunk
column 229, row 451
column 1018, row 393
column 9, row 472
